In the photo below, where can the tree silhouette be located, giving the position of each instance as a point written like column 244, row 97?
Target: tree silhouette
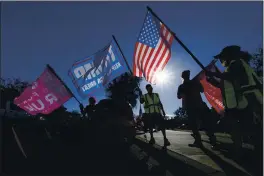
column 123, row 89
column 10, row 89
column 256, row 62
column 181, row 113
column 57, row 116
column 75, row 112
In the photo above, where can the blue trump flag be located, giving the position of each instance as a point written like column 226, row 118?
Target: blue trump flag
column 95, row 72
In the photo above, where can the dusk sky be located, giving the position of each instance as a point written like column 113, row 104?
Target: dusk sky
column 59, row 33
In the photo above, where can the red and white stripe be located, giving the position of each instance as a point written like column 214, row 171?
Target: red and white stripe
column 148, row 61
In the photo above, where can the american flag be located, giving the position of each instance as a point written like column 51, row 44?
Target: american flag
column 152, row 51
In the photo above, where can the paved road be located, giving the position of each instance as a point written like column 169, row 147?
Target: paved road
column 76, row 153
column 219, row 161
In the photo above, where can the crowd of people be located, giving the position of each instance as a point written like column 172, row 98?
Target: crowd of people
column 242, row 98
column 107, row 138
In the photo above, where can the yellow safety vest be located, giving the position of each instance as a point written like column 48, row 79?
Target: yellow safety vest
column 251, row 87
column 152, row 105
column 236, row 100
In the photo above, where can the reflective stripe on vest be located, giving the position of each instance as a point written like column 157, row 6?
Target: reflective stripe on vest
column 252, row 85
column 230, row 96
column 233, row 99
column 152, row 105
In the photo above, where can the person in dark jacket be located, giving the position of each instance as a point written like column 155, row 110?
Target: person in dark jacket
column 190, row 93
column 91, row 108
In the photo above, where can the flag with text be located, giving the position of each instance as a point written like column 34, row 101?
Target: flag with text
column 45, row 95
column 95, row 72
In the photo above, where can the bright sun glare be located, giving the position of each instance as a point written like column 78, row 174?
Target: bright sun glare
column 163, row 77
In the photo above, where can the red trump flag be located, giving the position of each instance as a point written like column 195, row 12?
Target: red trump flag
column 213, row 94
column 45, row 95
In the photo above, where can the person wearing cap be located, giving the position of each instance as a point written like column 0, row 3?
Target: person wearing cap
column 242, row 94
column 190, row 93
column 154, row 113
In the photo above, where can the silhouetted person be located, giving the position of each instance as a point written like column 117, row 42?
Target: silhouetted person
column 190, row 93
column 154, row 113
column 82, row 110
column 242, row 95
column 90, row 109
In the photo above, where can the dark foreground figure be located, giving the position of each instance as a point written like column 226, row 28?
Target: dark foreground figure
column 99, row 147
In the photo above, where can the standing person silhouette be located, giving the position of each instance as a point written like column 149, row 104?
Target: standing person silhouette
column 91, row 108
column 190, row 93
column 154, row 113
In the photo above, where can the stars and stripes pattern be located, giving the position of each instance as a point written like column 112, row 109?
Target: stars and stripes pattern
column 153, row 49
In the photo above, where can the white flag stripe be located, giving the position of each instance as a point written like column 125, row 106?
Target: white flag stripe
column 149, row 69
column 165, row 57
column 141, row 56
column 136, row 63
column 152, row 50
column 157, row 60
column 168, row 37
column 152, row 56
column 145, row 60
column 164, row 31
column 160, row 65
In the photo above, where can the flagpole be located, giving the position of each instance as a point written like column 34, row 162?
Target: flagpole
column 125, row 61
column 53, row 71
column 122, row 54
column 178, row 40
column 18, row 142
column 212, row 62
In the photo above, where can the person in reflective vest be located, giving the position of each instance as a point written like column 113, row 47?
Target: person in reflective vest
column 242, row 93
column 153, row 109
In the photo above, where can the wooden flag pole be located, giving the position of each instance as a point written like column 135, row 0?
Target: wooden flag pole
column 178, row 40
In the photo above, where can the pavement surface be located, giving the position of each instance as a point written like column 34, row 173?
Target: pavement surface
column 211, row 162
column 80, row 151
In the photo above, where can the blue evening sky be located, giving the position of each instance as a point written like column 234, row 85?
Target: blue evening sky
column 59, row 33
